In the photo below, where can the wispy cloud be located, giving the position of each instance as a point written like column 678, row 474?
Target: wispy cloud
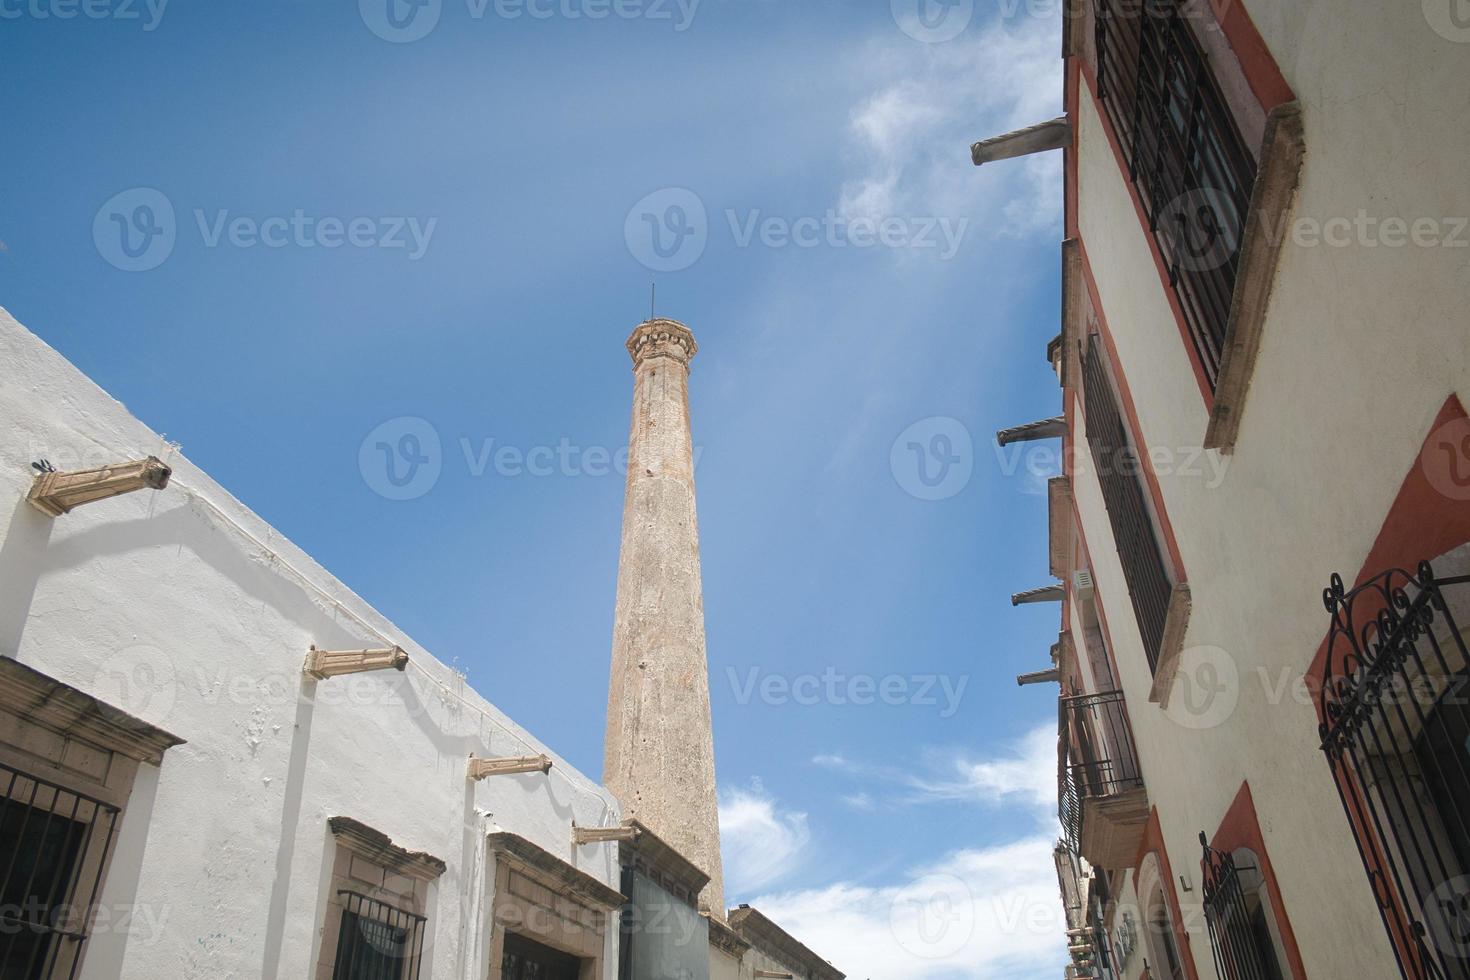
column 760, row 844
column 972, row 913
column 910, row 134
column 978, row 913
column 1025, row 774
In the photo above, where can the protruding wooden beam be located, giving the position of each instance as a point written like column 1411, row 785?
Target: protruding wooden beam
column 1047, row 593
column 1050, row 675
column 1052, row 428
column 58, row 492
column 603, row 835
column 1050, row 135
column 480, row 768
column 322, row 664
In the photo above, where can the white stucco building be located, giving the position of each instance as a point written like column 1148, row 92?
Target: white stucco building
column 153, row 650
column 1265, row 363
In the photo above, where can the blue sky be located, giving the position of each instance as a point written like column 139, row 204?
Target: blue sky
column 459, row 237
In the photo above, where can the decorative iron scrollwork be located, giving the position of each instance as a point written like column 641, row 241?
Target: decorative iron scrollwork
column 1395, row 728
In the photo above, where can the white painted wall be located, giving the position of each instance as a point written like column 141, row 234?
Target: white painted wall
column 1362, row 346
column 158, row 603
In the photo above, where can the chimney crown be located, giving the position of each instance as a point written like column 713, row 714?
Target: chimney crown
column 662, row 337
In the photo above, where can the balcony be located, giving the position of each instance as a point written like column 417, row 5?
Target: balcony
column 1101, row 798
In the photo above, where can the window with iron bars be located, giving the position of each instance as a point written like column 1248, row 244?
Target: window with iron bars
column 1119, row 471
column 377, row 941
column 54, row 845
column 1185, row 157
column 1396, row 733
column 1240, row 934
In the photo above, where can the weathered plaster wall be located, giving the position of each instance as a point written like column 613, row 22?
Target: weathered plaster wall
column 158, row 604
column 1362, row 345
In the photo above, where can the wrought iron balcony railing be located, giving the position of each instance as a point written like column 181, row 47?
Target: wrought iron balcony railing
column 1096, row 761
column 1185, row 156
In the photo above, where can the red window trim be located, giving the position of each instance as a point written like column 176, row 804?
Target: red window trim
column 1135, row 429
column 1153, row 843
column 1421, row 523
column 1240, row 828
column 1266, row 83
column 1262, row 73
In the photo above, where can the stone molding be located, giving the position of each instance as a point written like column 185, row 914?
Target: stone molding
column 553, row 872
column 723, row 938
column 42, row 700
column 765, row 935
column 1282, row 150
column 1176, row 623
column 656, row 858
column 379, row 848
column 1059, row 526
column 661, row 338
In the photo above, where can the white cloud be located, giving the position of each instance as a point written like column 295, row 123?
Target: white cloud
column 1025, row 773
column 910, row 136
column 1028, row 774
column 981, row 913
column 760, row 844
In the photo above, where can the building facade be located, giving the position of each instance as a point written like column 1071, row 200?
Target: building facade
column 217, row 761
column 1259, row 537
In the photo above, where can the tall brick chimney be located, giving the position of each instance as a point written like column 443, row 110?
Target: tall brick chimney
column 659, row 754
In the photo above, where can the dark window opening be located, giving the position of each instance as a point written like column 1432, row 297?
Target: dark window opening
column 377, row 941
column 1119, row 471
column 1185, row 157
column 53, row 848
column 525, row 959
column 1236, row 914
column 1394, row 729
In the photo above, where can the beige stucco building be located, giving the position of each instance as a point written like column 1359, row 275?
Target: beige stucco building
column 1264, row 362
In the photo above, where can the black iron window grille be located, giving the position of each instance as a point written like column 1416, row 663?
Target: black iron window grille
column 1396, row 733
column 1097, row 759
column 54, row 845
column 1239, row 932
column 1119, row 471
column 1185, row 156
column 377, row 941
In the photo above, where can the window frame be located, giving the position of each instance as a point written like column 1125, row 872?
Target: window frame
column 366, row 866
column 1161, row 640
column 63, row 738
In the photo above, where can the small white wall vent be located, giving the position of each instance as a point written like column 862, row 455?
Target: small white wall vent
column 1082, row 583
